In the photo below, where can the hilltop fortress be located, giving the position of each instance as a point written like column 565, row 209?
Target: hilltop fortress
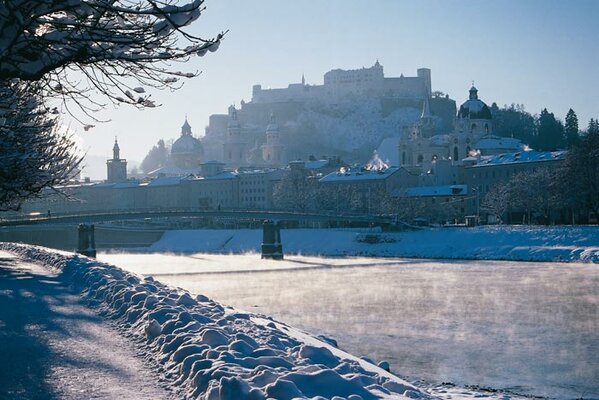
column 349, row 115
column 340, row 83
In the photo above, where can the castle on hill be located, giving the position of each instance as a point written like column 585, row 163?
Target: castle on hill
column 351, row 114
column 347, row 116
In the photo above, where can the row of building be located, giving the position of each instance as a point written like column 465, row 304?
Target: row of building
column 449, row 191
column 441, row 175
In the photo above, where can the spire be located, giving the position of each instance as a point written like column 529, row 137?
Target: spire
column 186, row 128
column 426, row 109
column 303, row 80
column 116, row 150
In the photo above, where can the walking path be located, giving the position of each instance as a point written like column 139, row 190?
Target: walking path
column 54, row 347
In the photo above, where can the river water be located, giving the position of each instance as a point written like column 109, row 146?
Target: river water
column 529, row 328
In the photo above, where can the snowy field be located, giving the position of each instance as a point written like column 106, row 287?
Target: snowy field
column 200, row 348
column 524, row 327
column 523, row 243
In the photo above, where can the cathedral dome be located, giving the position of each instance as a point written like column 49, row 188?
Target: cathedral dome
column 186, row 144
column 474, row 108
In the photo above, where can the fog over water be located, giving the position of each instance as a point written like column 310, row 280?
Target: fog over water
column 528, row 327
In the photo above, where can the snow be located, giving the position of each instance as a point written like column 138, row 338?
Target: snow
column 316, row 164
column 216, row 352
column 359, row 175
column 166, row 181
column 523, row 243
column 492, row 142
column 52, row 346
column 521, row 157
column 428, row 191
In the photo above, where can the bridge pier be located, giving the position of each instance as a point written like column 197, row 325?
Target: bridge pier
column 272, row 248
column 87, row 240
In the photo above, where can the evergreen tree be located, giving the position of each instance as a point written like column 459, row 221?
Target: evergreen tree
column 593, row 127
column 571, row 128
column 550, row 132
column 513, row 121
column 580, row 174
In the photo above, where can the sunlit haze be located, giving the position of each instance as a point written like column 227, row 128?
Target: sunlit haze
column 536, row 53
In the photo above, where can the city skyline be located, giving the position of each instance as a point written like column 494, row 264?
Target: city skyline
column 270, row 43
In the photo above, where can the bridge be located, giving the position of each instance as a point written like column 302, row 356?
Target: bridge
column 145, row 214
column 67, row 230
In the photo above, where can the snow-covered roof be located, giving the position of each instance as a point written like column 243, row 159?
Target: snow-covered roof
column 222, row 176
column 433, row 191
column 496, row 142
column 521, row 157
column 358, row 175
column 170, row 170
column 126, row 185
column 316, row 164
column 166, row 181
column 104, row 185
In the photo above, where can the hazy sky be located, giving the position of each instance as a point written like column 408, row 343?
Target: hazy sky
column 540, row 53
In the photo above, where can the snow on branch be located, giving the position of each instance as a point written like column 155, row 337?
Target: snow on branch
column 105, row 41
column 33, row 154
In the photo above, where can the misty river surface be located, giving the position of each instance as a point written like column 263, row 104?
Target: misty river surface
column 532, row 328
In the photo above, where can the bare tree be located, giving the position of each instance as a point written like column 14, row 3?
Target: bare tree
column 33, row 154
column 497, row 200
column 118, row 48
column 533, row 192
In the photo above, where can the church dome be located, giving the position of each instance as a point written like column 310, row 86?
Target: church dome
column 474, row 108
column 186, row 144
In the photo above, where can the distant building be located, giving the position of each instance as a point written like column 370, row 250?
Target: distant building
column 484, row 172
column 273, row 152
column 349, row 115
column 186, row 152
column 116, row 167
column 472, row 132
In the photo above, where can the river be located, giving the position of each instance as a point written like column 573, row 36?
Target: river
column 529, row 328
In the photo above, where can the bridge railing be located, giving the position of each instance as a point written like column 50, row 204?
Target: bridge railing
column 163, row 212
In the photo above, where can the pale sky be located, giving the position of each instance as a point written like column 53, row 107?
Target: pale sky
column 539, row 53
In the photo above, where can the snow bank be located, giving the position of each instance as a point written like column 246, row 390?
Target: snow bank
column 518, row 243
column 214, row 352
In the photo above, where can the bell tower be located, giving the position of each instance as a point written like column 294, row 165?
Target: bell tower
column 117, row 167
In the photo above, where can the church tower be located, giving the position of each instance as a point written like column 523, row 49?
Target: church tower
column 273, row 150
column 474, row 121
column 116, row 167
column 234, row 146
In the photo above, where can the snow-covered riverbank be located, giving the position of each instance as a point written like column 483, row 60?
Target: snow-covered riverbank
column 210, row 351
column 521, row 243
